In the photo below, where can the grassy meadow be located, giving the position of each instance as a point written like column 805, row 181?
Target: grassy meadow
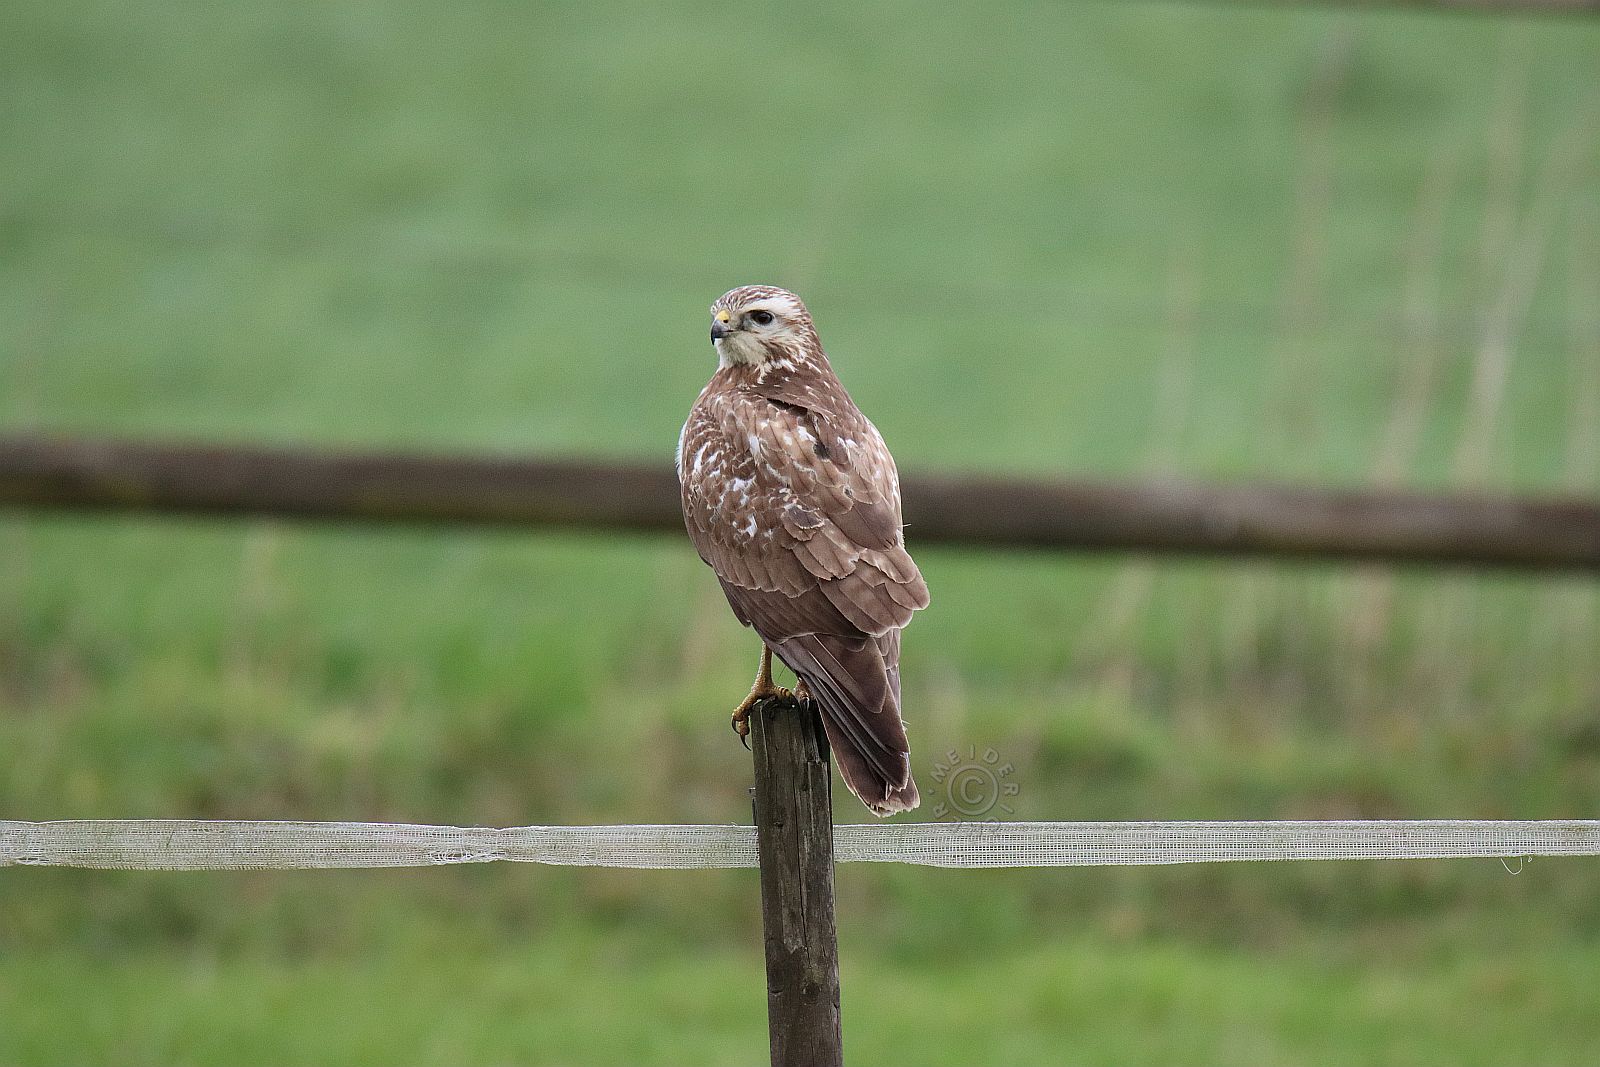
column 1095, row 238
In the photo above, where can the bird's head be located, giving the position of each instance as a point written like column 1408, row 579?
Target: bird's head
column 761, row 324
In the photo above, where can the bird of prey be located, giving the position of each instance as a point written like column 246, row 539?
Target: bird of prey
column 791, row 496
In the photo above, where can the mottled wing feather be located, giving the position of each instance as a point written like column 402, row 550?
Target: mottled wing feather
column 860, row 474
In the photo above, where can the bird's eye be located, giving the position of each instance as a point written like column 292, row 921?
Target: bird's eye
column 761, row 318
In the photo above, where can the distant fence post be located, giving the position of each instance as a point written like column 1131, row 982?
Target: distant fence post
column 794, row 833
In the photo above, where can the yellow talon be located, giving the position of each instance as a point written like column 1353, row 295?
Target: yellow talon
column 763, row 689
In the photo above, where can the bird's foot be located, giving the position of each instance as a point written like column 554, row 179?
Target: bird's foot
column 741, row 714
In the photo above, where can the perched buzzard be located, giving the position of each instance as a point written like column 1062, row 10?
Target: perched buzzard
column 791, row 497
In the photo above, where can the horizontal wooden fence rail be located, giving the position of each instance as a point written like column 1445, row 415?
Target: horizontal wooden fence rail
column 970, row 510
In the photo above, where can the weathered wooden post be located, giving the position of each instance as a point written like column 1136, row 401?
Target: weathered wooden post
column 794, row 831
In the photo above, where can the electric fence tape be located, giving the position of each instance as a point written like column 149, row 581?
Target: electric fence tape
column 179, row 844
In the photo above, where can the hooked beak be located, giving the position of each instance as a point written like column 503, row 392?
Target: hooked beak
column 720, row 327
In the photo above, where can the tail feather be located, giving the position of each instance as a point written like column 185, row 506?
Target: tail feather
column 856, row 683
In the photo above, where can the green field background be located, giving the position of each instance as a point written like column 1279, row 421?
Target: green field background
column 1109, row 239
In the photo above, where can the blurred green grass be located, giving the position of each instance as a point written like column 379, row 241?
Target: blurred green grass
column 1110, row 238
column 1150, row 1002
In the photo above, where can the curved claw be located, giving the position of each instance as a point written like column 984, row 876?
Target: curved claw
column 740, row 720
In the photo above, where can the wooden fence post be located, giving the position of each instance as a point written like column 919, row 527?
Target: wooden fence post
column 794, row 831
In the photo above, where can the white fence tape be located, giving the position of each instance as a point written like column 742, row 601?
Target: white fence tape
column 161, row 844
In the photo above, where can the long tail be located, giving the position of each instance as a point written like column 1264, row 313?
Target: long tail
column 856, row 683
